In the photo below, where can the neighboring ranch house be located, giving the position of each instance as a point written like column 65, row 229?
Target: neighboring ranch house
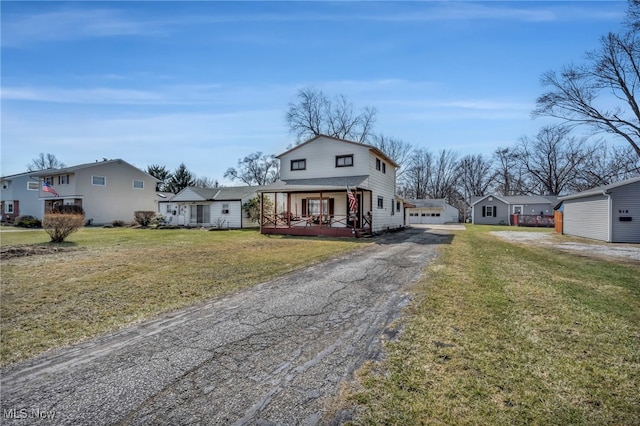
column 311, row 196
column 499, row 210
column 20, row 196
column 107, row 190
column 210, row 207
column 608, row 213
column 436, row 211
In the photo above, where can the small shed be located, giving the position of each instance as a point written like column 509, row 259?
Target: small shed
column 608, row 213
column 430, row 211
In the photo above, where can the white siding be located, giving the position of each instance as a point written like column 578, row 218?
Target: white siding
column 320, row 156
column 587, row 217
column 626, row 203
column 232, row 219
column 383, row 184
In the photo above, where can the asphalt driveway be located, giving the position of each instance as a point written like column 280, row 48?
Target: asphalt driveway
column 272, row 354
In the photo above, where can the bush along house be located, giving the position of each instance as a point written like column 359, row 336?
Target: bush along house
column 332, row 187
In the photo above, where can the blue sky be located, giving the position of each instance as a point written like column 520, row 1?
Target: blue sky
column 206, row 83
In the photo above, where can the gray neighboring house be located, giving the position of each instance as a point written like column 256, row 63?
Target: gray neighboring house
column 20, row 196
column 210, row 207
column 430, row 211
column 609, row 213
column 498, row 210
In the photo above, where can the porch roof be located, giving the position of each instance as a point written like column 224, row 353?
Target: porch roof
column 318, row 184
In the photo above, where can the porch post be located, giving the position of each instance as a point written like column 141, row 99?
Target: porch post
column 288, row 209
column 275, row 209
column 261, row 210
column 321, row 212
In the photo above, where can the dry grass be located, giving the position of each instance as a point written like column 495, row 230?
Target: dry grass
column 512, row 334
column 109, row 278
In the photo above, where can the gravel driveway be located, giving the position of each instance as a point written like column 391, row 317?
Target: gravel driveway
column 273, row 354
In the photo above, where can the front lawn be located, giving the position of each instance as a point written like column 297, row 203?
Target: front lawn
column 105, row 279
column 503, row 333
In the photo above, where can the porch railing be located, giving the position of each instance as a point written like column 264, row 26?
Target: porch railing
column 533, row 220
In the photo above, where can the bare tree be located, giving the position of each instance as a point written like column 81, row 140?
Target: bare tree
column 255, row 169
column 315, row 114
column 446, row 176
column 509, row 176
column 611, row 164
column 579, row 93
column 477, row 175
column 206, row 182
column 44, row 162
column 554, row 158
column 417, row 177
column 396, row 149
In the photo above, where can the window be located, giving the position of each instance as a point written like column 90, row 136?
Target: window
column 344, row 160
column 299, row 164
column 311, row 207
column 393, row 209
column 138, row 184
column 378, row 164
column 489, row 211
column 8, row 207
column 99, row 180
column 380, row 202
column 225, row 209
column 48, row 180
column 168, row 210
column 384, row 167
column 63, row 180
column 398, row 206
column 33, row 186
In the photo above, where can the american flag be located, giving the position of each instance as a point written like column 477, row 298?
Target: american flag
column 353, row 202
column 47, row 188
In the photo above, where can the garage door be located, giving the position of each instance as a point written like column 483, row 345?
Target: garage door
column 426, row 217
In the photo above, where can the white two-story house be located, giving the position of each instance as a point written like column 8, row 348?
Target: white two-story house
column 311, row 197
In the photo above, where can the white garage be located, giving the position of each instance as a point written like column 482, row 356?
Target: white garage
column 427, row 211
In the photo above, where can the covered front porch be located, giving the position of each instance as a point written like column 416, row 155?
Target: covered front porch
column 324, row 212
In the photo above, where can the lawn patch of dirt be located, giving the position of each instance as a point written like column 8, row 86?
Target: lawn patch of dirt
column 10, row 252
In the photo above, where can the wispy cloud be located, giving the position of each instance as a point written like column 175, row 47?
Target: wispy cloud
column 67, row 24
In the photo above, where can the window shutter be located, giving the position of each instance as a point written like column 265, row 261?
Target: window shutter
column 484, row 211
column 304, row 207
column 495, row 211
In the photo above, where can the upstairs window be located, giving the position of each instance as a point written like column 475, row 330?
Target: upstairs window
column 299, row 164
column 48, row 180
column 99, row 180
column 63, row 180
column 138, row 184
column 344, row 160
column 378, row 164
column 33, row 186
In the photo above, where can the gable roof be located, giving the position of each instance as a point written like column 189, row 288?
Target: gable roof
column 427, row 203
column 600, row 190
column 370, row 147
column 218, row 194
column 72, row 169
column 518, row 199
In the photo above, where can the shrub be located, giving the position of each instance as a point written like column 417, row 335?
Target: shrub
column 118, row 223
column 27, row 222
column 143, row 217
column 60, row 225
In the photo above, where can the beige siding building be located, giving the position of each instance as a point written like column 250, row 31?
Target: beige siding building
column 107, row 190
